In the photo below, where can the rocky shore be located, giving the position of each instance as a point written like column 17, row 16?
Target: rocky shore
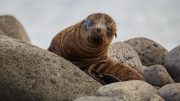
column 29, row 73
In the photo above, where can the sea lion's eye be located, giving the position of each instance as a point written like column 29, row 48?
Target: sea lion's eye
column 88, row 23
column 109, row 30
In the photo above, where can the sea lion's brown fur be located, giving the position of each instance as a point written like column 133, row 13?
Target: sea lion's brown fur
column 86, row 43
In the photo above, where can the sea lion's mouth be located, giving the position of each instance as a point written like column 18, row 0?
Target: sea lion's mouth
column 96, row 39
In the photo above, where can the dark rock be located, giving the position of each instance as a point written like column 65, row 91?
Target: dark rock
column 29, row 73
column 157, row 76
column 94, row 98
column 150, row 52
column 170, row 92
column 125, row 53
column 172, row 63
column 10, row 26
column 134, row 90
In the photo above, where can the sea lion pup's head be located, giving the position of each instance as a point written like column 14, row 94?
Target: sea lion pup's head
column 99, row 29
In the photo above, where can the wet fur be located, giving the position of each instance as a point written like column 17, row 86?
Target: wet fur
column 86, row 47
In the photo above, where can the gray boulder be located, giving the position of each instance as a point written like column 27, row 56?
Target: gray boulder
column 172, row 63
column 134, row 90
column 157, row 76
column 156, row 97
column 10, row 26
column 123, row 52
column 94, row 98
column 170, row 92
column 149, row 51
column 29, row 73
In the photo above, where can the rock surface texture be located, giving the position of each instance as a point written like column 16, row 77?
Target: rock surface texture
column 134, row 90
column 125, row 53
column 156, row 97
column 28, row 73
column 10, row 26
column 150, row 52
column 94, row 98
column 170, row 92
column 157, row 76
column 172, row 63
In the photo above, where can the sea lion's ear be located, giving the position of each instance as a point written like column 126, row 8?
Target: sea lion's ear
column 115, row 35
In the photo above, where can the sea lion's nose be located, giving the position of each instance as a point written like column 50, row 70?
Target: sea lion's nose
column 98, row 29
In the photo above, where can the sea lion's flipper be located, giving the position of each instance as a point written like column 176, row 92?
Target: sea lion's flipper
column 110, row 79
column 105, row 78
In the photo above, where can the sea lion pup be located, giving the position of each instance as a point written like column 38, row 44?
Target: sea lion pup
column 86, row 43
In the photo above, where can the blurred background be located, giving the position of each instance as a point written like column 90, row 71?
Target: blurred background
column 158, row 20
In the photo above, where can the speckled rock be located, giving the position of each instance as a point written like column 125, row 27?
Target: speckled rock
column 157, row 76
column 170, row 92
column 29, row 73
column 125, row 53
column 11, row 27
column 149, row 51
column 156, row 97
column 2, row 33
column 144, row 67
column 94, row 98
column 134, row 90
column 172, row 63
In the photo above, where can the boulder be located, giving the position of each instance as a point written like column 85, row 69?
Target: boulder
column 149, row 51
column 10, row 26
column 172, row 63
column 94, row 98
column 157, row 76
column 134, row 90
column 29, row 73
column 156, row 97
column 123, row 52
column 170, row 92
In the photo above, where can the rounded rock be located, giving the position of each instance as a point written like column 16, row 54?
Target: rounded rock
column 11, row 27
column 170, row 92
column 94, row 98
column 157, row 76
column 149, row 51
column 123, row 52
column 172, row 63
column 156, row 97
column 128, row 90
column 29, row 73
